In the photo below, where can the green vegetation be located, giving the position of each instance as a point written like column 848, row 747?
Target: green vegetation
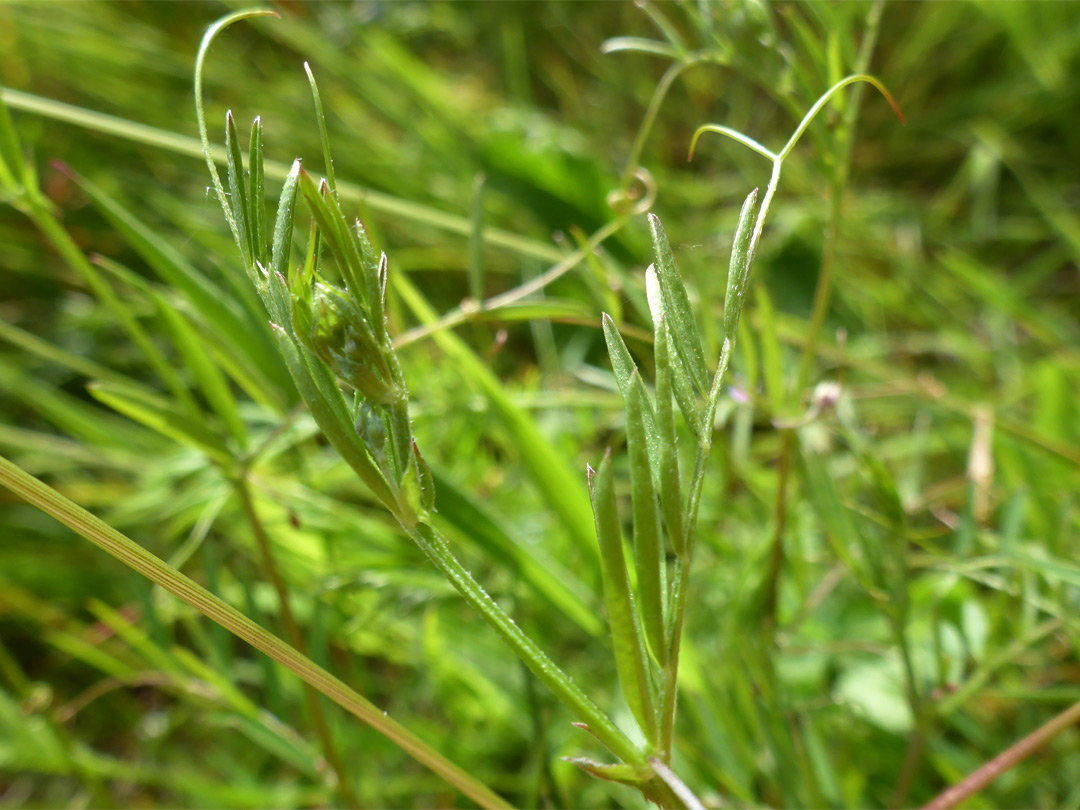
column 824, row 551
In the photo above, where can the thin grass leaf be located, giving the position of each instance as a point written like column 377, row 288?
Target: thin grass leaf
column 670, row 482
column 677, row 307
column 739, row 268
column 242, row 327
column 476, row 241
column 207, row 376
column 682, row 385
column 156, row 570
column 630, row 656
column 772, row 368
column 164, row 417
column 324, row 137
column 648, row 548
column 623, row 365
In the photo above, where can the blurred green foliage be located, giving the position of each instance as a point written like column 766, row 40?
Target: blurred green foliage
column 935, row 504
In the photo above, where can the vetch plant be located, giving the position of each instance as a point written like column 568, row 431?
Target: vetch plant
column 328, row 312
column 332, row 331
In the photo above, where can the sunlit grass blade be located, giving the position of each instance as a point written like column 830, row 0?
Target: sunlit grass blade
column 648, row 547
column 630, row 657
column 670, row 482
column 164, row 417
column 237, row 324
column 739, row 269
column 681, row 320
column 156, row 570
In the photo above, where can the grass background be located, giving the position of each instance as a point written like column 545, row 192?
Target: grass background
column 955, row 305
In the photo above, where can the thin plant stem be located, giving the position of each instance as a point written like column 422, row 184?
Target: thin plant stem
column 598, row 723
column 846, row 138
column 161, row 573
column 461, row 315
column 296, row 639
column 1007, row 759
column 682, row 568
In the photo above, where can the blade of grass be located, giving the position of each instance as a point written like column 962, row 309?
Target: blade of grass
column 156, row 570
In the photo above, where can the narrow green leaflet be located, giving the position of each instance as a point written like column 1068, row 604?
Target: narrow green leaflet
column 238, row 193
column 630, row 656
column 648, row 547
column 682, row 385
column 677, row 306
column 623, row 365
column 670, row 483
column 257, row 192
column 739, row 269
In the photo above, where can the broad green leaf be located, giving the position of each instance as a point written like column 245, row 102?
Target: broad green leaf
column 739, row 268
column 630, row 656
column 670, row 482
column 648, row 548
column 677, row 307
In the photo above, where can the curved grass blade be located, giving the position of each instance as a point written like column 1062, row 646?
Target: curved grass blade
column 677, row 306
column 630, row 656
column 648, row 548
column 159, row 572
